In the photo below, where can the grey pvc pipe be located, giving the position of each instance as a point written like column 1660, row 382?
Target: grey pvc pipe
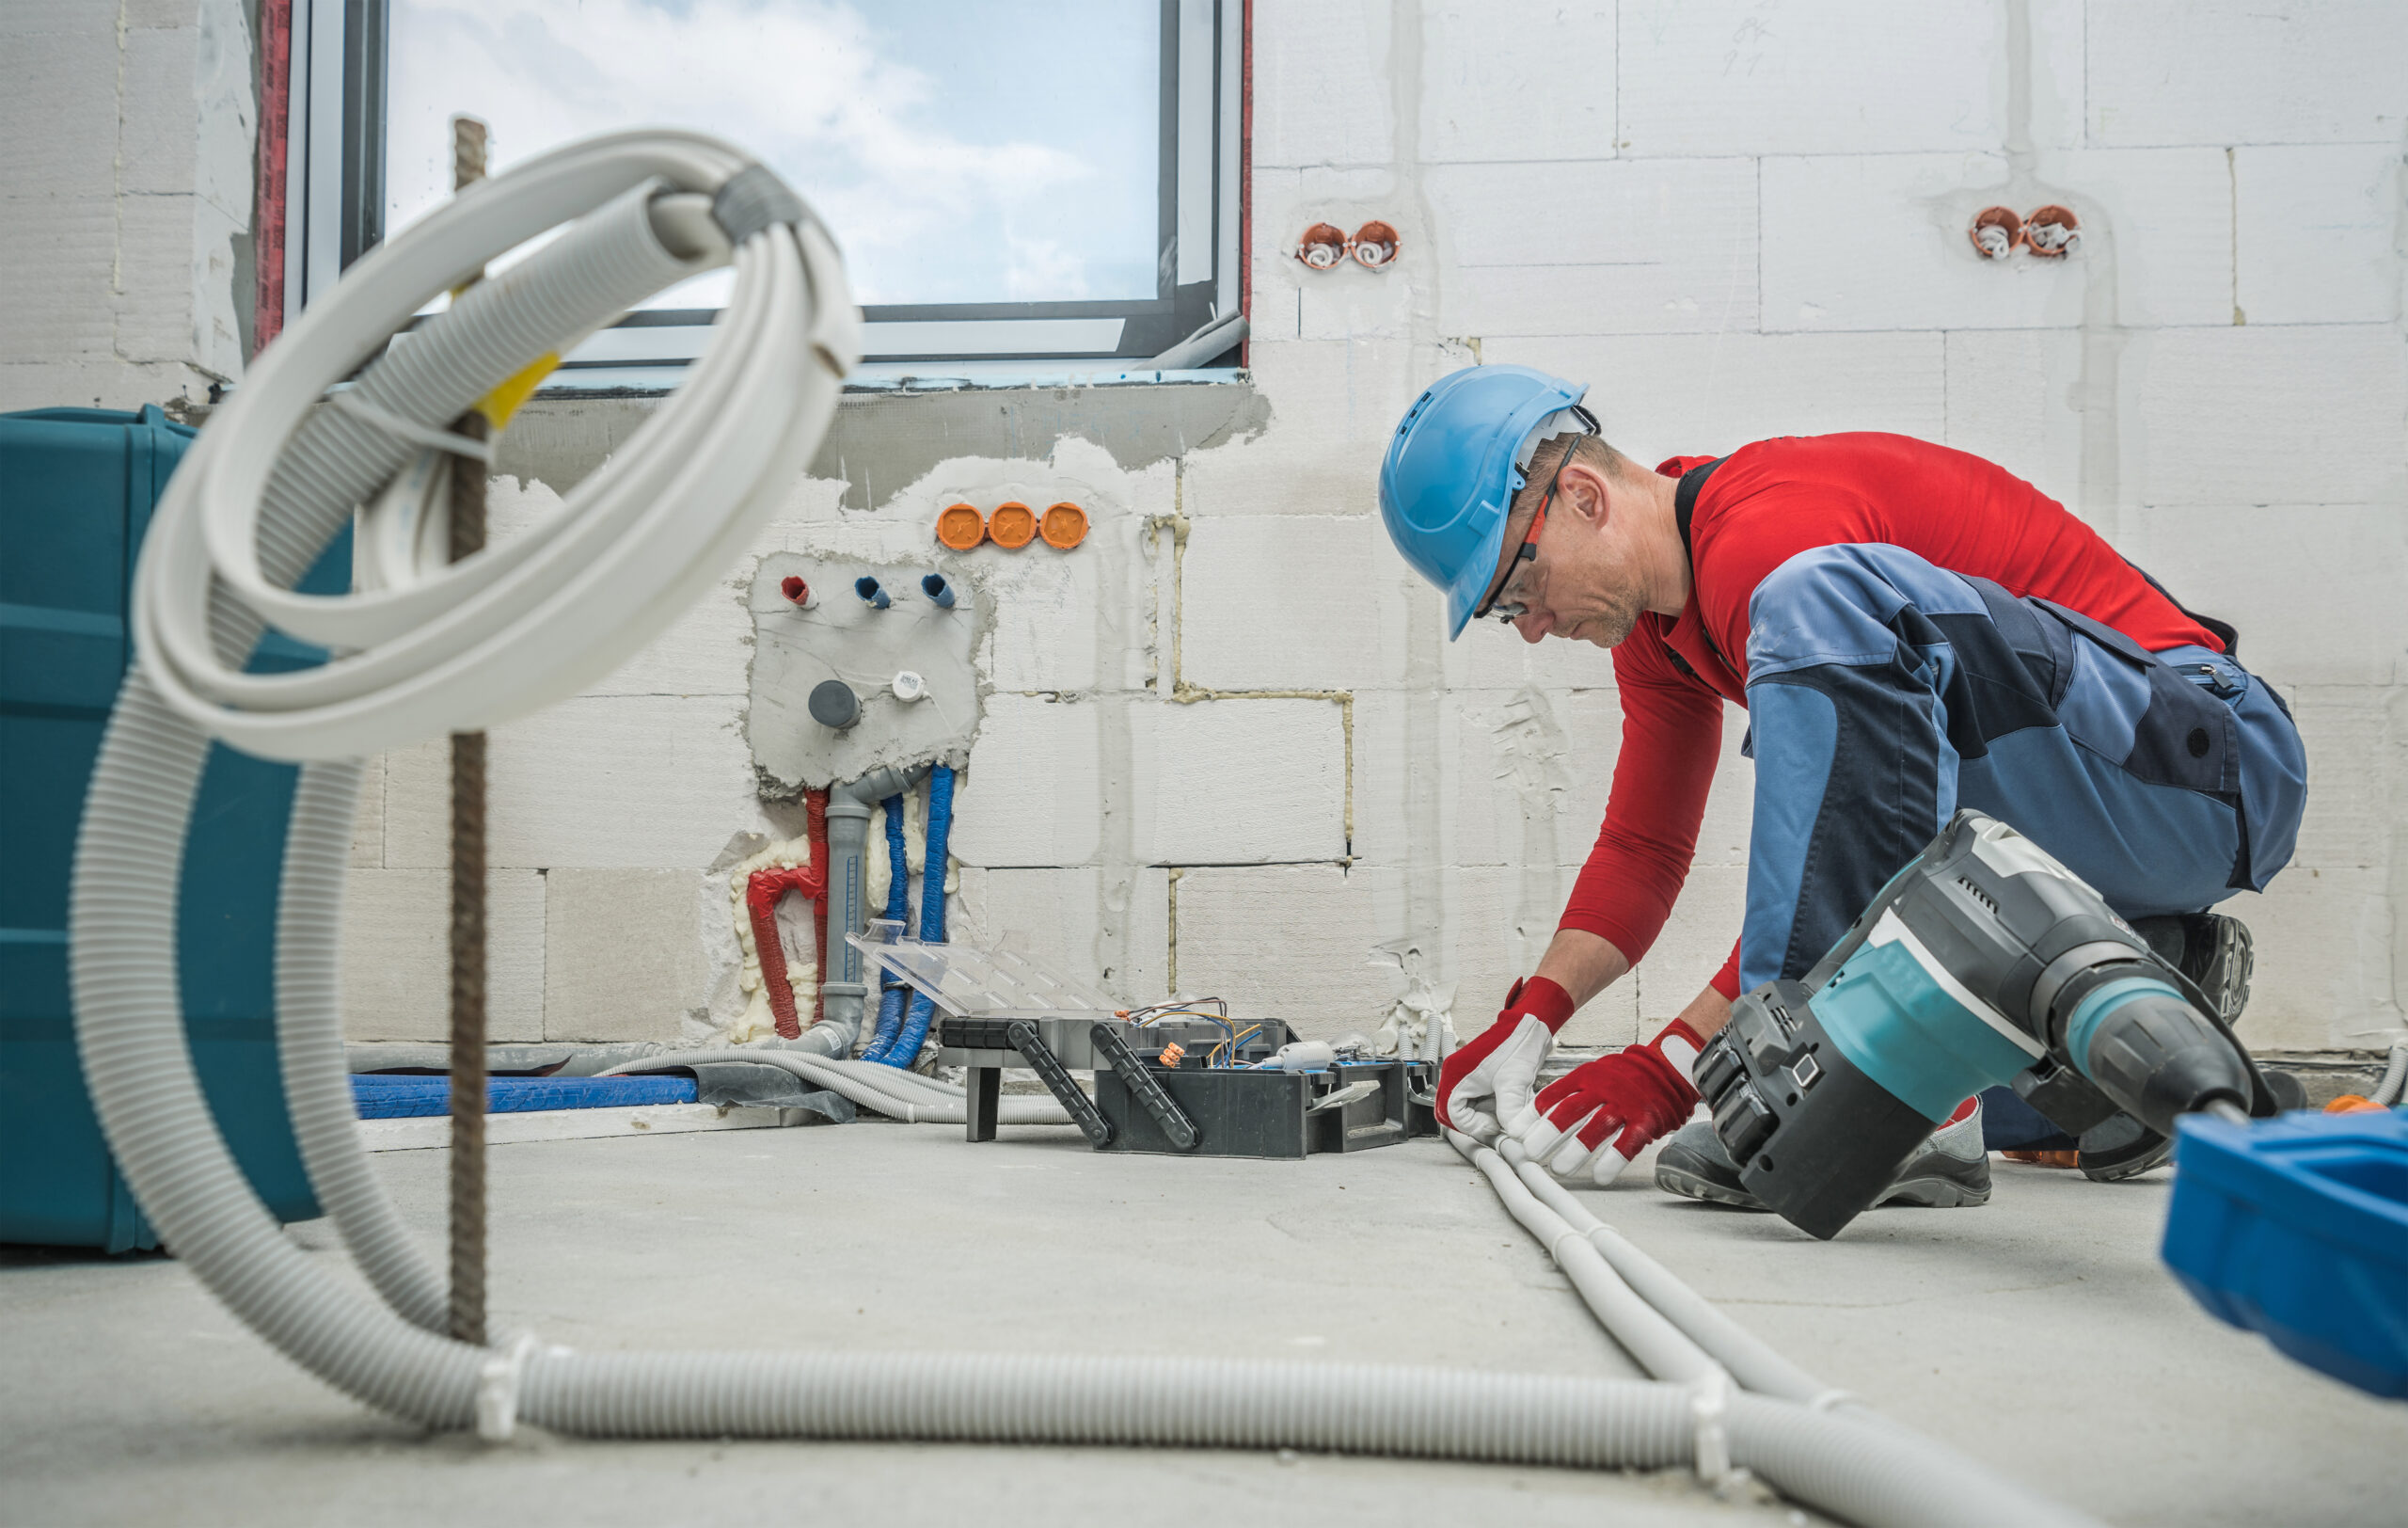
column 1198, row 347
column 892, row 1092
column 841, row 992
column 2394, row 1082
column 1751, row 1360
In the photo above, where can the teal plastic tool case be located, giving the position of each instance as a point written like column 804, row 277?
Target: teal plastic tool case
column 77, row 486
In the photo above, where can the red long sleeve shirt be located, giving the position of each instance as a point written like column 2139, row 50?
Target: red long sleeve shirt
column 1764, row 504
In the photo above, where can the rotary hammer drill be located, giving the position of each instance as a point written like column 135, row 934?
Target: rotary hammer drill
column 1984, row 961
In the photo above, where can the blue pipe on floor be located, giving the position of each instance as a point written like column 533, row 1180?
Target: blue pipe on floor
column 906, row 1048
column 898, row 894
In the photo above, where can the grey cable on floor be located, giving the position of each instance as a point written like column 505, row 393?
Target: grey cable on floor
column 892, row 1092
column 2392, row 1083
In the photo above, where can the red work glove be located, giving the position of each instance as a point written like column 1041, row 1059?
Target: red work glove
column 1596, row 1117
column 1501, row 1069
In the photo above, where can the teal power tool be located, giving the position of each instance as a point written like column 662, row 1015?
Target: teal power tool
column 1983, row 962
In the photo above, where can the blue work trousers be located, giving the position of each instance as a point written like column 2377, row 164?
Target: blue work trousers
column 1884, row 692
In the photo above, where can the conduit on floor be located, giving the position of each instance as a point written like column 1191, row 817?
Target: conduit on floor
column 462, row 654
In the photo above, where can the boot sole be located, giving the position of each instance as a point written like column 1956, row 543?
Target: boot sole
column 1924, row 1193
column 1937, row 1194
column 1674, row 1180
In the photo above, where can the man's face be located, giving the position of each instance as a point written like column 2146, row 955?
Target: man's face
column 1580, row 585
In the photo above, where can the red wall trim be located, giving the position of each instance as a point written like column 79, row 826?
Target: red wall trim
column 1245, row 178
column 267, row 202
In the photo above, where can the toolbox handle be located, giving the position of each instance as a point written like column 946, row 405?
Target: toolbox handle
column 1143, row 1085
column 1057, row 1079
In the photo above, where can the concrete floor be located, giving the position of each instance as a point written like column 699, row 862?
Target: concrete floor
column 2037, row 1332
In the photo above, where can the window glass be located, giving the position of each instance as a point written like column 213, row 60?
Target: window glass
column 962, row 150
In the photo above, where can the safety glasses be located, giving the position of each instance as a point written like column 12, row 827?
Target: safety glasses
column 1496, row 604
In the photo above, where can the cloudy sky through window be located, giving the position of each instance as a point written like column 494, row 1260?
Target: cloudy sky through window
column 963, row 150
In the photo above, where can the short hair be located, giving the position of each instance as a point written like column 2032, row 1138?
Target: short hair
column 1589, row 450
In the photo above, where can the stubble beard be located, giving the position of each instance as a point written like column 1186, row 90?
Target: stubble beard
column 1613, row 624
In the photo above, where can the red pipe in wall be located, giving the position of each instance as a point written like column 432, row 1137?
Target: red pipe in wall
column 267, row 200
column 761, row 894
column 764, row 890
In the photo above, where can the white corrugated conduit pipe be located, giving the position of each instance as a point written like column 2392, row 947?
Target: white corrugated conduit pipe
column 2392, row 1083
column 477, row 644
column 1747, row 1357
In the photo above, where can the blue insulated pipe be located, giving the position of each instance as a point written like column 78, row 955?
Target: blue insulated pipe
column 898, row 908
column 915, row 1030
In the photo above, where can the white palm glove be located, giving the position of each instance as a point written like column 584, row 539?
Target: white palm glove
column 1590, row 1121
column 1496, row 1078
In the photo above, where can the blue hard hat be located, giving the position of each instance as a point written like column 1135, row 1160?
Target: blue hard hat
column 1451, row 474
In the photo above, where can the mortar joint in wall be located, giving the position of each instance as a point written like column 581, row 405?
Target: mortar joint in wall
column 1188, row 694
column 1170, row 943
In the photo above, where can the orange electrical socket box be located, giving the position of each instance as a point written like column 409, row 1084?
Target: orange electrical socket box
column 1012, row 526
column 1065, row 526
column 960, row 527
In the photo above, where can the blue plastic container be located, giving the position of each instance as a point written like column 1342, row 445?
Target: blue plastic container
column 77, row 486
column 2297, row 1227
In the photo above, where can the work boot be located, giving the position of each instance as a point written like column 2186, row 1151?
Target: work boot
column 2215, row 952
column 1948, row 1169
column 2211, row 948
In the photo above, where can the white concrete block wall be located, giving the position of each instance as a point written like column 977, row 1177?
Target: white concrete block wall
column 125, row 186
column 1748, row 77
column 1240, row 781
column 1772, row 241
column 1226, row 744
column 2318, row 240
column 1035, row 778
column 2232, row 71
column 2261, row 415
column 1602, row 247
column 1497, row 77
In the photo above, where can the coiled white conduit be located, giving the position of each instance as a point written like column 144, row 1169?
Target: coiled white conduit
column 481, row 656
column 538, row 617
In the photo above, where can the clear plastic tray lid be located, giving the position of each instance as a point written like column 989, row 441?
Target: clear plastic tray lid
column 967, row 982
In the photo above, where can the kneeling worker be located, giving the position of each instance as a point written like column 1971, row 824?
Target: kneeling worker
column 1911, row 630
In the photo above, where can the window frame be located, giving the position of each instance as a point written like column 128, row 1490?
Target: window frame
column 335, row 205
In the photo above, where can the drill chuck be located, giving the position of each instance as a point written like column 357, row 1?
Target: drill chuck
column 2151, row 1052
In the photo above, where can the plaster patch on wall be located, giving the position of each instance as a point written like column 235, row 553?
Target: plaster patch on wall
column 843, row 637
column 225, row 126
column 886, row 446
column 1531, row 747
